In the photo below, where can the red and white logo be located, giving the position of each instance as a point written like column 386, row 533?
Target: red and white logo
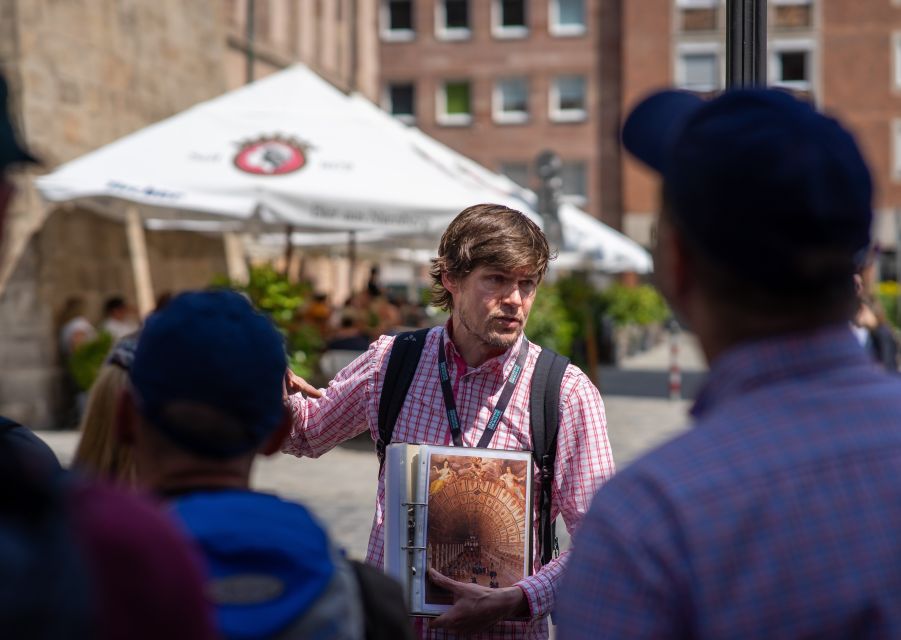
column 271, row 156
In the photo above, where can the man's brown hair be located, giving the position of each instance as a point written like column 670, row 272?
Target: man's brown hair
column 487, row 235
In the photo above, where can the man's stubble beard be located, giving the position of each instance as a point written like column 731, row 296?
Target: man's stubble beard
column 490, row 338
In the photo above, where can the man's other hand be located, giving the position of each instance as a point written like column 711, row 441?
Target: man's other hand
column 294, row 384
column 476, row 608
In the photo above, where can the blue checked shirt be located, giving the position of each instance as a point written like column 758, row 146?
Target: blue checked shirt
column 777, row 516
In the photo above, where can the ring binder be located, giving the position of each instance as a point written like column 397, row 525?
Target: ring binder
column 465, row 512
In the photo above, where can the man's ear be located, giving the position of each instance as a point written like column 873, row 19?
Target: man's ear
column 450, row 282
column 273, row 444
column 126, row 424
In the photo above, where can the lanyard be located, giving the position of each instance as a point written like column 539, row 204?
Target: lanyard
column 451, row 406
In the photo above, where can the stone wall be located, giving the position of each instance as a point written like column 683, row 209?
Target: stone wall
column 85, row 73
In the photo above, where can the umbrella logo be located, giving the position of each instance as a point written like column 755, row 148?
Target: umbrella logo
column 271, row 156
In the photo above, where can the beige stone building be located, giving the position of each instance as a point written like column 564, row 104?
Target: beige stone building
column 86, row 72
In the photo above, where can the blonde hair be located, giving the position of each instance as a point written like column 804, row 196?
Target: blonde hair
column 100, row 453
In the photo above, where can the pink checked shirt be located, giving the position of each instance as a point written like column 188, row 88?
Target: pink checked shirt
column 349, row 406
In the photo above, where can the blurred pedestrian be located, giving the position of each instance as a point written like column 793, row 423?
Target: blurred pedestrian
column 100, row 453
column 777, row 515
column 118, row 318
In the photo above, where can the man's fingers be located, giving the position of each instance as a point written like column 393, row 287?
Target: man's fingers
column 294, row 383
column 443, row 581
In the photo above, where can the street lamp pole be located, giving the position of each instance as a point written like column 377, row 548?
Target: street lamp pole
column 548, row 166
column 745, row 43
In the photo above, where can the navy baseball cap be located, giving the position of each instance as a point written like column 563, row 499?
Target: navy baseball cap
column 211, row 349
column 758, row 181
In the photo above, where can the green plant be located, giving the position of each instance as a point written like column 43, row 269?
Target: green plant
column 641, row 305
column 273, row 293
column 550, row 323
column 85, row 361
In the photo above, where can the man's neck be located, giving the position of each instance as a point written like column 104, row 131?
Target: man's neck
column 473, row 350
column 186, row 480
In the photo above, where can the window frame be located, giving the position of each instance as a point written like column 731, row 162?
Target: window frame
column 896, row 150
column 497, row 102
column 896, row 61
column 698, row 48
column 577, row 199
column 792, row 45
column 443, row 32
column 502, row 32
column 565, row 30
column 555, row 112
column 446, row 119
column 388, row 34
column 698, row 4
column 388, row 102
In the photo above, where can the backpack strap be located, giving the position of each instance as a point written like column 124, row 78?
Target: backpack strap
column 402, row 363
column 544, row 407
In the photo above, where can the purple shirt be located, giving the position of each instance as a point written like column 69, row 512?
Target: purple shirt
column 777, row 516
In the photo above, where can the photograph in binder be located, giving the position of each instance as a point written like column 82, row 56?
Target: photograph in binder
column 477, row 520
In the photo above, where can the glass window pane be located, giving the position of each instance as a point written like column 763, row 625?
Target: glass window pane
column 794, row 66
column 513, row 13
column 571, row 12
column 400, row 14
column 514, row 94
column 700, row 71
column 574, row 179
column 571, row 92
column 518, row 172
column 456, row 98
column 456, row 14
column 402, row 99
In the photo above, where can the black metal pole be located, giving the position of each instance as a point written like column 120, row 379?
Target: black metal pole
column 250, row 33
column 745, row 43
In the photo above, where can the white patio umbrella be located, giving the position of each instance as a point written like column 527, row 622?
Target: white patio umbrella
column 289, row 150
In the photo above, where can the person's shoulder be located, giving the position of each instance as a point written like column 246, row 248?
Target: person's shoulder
column 31, row 449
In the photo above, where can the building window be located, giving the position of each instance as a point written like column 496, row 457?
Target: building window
column 454, row 103
column 896, row 59
column 792, row 15
column 896, row 150
column 574, row 183
column 518, row 172
column 698, row 67
column 397, row 20
column 401, row 101
column 511, row 100
column 568, row 102
column 452, row 19
column 567, row 17
column 509, row 19
column 791, row 65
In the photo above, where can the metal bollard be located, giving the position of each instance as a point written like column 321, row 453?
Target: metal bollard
column 675, row 372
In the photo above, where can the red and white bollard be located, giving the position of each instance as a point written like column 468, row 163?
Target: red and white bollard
column 675, row 372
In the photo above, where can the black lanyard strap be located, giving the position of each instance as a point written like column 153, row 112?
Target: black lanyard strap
column 450, row 404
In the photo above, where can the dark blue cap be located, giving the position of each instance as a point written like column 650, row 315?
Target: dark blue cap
column 211, row 349
column 758, row 180
column 11, row 152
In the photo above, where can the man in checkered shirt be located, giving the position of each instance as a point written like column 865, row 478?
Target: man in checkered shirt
column 490, row 262
column 779, row 514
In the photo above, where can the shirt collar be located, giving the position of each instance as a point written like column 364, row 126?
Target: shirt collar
column 759, row 362
column 504, row 362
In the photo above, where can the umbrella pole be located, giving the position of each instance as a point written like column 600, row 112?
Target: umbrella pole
column 235, row 260
column 289, row 249
column 352, row 260
column 140, row 264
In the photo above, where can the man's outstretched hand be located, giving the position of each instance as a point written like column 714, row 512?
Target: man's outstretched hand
column 476, row 608
column 294, row 384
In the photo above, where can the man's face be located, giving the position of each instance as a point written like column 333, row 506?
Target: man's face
column 493, row 304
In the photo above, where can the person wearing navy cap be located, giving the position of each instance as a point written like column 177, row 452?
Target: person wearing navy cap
column 777, row 514
column 206, row 397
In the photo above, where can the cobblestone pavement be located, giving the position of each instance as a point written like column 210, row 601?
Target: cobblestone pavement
column 340, row 486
